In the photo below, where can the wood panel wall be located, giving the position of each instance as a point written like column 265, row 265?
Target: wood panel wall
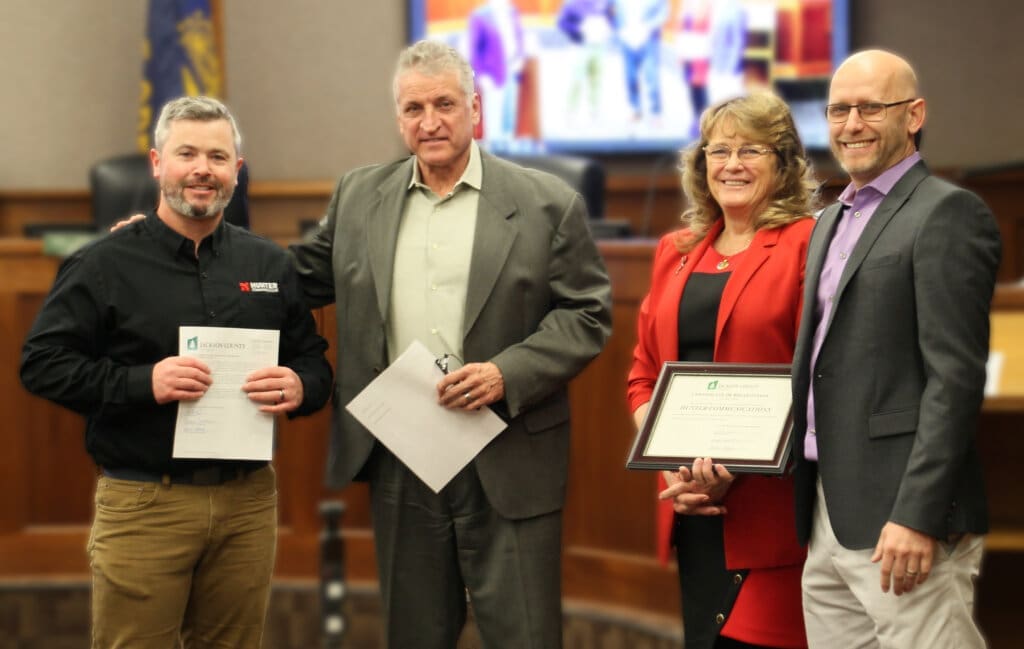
column 651, row 204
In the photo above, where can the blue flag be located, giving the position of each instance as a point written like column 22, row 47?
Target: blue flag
column 180, row 58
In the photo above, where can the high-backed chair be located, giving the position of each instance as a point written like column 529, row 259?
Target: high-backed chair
column 585, row 176
column 582, row 174
column 121, row 186
column 124, row 185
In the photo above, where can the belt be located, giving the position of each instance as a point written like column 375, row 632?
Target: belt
column 205, row 477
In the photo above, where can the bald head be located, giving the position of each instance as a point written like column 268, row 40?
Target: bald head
column 890, row 73
column 876, row 115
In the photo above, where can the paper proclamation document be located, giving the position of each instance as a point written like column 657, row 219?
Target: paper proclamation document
column 400, row 409
column 224, row 424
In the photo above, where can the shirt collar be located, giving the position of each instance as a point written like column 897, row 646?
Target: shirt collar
column 472, row 176
column 884, row 182
column 176, row 243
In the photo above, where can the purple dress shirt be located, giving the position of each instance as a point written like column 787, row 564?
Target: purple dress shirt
column 858, row 207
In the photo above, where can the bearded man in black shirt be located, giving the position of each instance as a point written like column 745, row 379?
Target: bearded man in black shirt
column 181, row 550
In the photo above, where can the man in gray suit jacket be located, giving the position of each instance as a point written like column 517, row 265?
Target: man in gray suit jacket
column 888, row 379
column 480, row 260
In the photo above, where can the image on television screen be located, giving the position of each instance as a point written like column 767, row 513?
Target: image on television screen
column 634, row 75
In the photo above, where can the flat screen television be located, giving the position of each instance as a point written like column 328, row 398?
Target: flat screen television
column 632, row 76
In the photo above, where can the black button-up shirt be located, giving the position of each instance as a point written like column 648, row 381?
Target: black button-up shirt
column 114, row 312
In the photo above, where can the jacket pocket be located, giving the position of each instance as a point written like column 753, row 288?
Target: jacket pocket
column 546, row 416
column 894, row 422
column 880, row 261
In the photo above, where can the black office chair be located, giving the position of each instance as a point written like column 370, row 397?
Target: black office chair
column 585, row 176
column 582, row 174
column 124, row 185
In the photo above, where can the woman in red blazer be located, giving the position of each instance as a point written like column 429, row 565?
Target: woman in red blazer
column 727, row 288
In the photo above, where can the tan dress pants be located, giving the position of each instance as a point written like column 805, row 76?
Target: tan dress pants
column 844, row 606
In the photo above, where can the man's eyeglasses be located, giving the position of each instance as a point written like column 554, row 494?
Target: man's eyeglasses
column 746, row 153
column 448, row 362
column 869, row 111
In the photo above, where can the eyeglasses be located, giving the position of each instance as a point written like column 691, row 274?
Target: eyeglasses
column 448, row 362
column 746, row 153
column 869, row 111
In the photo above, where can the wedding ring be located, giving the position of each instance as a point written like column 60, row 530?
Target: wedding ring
column 281, row 397
column 467, row 397
column 911, row 573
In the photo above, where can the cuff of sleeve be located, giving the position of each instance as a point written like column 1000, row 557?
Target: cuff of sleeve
column 139, row 384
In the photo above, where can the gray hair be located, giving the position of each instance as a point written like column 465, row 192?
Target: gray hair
column 433, row 58
column 200, row 109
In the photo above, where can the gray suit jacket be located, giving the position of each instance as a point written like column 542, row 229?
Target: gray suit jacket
column 538, row 305
column 899, row 379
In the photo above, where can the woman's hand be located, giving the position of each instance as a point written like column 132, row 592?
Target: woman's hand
column 698, row 490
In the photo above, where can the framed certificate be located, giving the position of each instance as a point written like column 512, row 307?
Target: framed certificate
column 739, row 415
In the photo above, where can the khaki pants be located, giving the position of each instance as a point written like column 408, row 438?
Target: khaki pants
column 187, row 565
column 844, row 606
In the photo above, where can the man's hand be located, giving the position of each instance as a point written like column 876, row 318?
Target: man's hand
column 180, row 378
column 471, row 387
column 698, row 490
column 123, row 222
column 278, row 389
column 906, row 557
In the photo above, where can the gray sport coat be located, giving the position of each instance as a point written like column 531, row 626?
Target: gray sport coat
column 899, row 379
column 538, row 305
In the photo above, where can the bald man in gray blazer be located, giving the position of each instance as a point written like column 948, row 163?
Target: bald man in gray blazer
column 888, row 379
column 492, row 265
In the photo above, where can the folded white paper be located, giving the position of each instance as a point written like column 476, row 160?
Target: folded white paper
column 400, row 409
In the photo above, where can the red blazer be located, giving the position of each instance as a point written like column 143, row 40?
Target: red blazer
column 758, row 320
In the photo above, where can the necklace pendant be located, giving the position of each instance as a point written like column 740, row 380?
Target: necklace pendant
column 722, row 265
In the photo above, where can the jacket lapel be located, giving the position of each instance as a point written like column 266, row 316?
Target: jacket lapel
column 667, row 323
column 892, row 202
column 492, row 241
column 756, row 255
column 821, row 237
column 384, row 217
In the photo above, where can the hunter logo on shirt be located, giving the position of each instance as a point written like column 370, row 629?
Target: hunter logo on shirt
column 258, row 287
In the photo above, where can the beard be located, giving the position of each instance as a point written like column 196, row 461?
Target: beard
column 174, row 194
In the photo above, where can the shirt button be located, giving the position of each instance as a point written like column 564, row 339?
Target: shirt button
column 719, row 618
column 831, row 298
column 842, row 255
column 433, row 287
column 212, row 314
column 857, row 214
column 204, row 275
column 737, row 578
column 433, row 330
column 433, row 246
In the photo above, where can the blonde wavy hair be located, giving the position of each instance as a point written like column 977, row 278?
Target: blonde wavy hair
column 763, row 119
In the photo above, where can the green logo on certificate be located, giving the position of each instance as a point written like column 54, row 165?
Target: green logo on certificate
column 713, row 385
column 192, row 344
